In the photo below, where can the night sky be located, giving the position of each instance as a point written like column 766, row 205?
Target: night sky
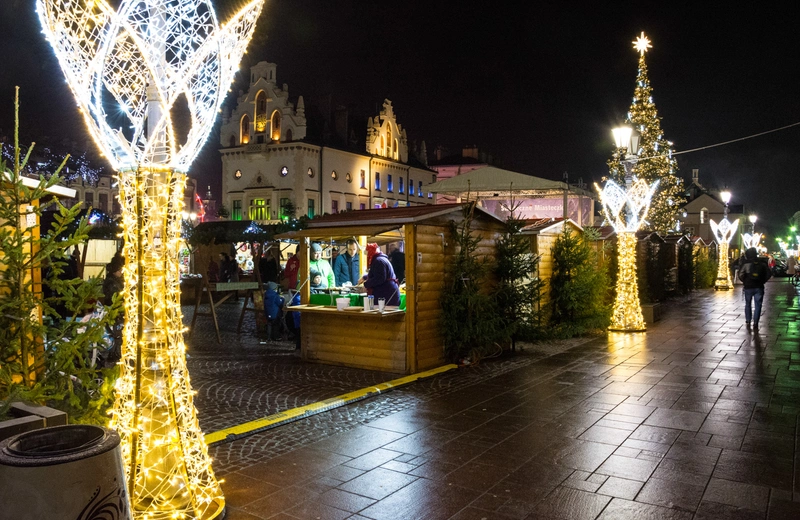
column 538, row 87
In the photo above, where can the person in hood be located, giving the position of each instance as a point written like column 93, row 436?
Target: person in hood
column 322, row 266
column 381, row 281
column 273, row 308
column 753, row 273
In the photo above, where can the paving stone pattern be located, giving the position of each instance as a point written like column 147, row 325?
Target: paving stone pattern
column 696, row 419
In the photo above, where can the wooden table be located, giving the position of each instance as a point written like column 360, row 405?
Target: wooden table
column 231, row 288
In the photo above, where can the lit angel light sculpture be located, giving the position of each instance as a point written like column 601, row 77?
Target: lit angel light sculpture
column 749, row 240
column 129, row 69
column 626, row 211
column 723, row 232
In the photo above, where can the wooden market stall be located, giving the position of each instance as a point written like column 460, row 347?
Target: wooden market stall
column 406, row 339
column 543, row 234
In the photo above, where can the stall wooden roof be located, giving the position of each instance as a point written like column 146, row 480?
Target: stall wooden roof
column 372, row 222
column 538, row 225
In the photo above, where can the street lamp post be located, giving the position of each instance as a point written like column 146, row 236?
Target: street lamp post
column 627, row 142
column 724, row 232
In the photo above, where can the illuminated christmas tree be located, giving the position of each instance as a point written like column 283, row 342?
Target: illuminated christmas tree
column 653, row 160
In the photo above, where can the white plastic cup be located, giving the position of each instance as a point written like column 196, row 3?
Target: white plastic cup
column 367, row 306
column 342, row 303
column 381, row 304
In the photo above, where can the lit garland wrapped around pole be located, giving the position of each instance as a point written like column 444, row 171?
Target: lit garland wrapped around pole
column 626, row 211
column 144, row 58
column 723, row 232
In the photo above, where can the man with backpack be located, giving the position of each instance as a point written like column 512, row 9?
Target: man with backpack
column 753, row 273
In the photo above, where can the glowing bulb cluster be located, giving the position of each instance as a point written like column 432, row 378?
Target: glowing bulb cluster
column 148, row 56
column 626, row 211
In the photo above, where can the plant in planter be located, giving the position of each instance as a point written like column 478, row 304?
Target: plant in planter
column 579, row 287
column 471, row 322
column 46, row 351
column 518, row 282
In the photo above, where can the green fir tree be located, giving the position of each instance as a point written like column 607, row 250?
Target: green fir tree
column 46, row 352
column 655, row 154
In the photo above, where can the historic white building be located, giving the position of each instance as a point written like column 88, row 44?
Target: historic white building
column 268, row 164
column 103, row 195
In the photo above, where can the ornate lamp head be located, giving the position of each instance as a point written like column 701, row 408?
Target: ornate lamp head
column 626, row 210
column 129, row 68
column 725, row 230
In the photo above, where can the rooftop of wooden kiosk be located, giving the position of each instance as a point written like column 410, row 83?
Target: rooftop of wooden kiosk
column 372, row 222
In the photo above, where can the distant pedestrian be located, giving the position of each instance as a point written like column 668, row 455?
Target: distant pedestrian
column 753, row 273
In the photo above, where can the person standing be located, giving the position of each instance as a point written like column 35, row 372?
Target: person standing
column 753, row 273
column 398, row 259
column 381, row 279
column 346, row 267
column 317, row 263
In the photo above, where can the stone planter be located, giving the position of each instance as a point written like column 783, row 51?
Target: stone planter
column 651, row 312
column 27, row 417
column 70, row 472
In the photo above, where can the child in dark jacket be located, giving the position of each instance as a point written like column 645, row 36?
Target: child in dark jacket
column 273, row 308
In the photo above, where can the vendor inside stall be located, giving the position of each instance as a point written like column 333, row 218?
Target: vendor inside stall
column 381, row 280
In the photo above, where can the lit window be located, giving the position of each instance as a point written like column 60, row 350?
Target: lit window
column 310, row 208
column 703, row 215
column 362, row 206
column 259, row 209
column 420, row 190
column 334, row 175
column 284, row 171
column 378, row 181
column 310, row 172
column 285, row 206
column 389, row 186
column 363, row 179
column 334, row 206
column 276, row 126
column 400, row 185
column 236, row 211
column 245, row 130
column 410, row 186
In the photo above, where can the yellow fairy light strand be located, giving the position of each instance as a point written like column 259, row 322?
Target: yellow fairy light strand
column 146, row 59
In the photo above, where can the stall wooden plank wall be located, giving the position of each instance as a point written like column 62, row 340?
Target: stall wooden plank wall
column 437, row 246
column 374, row 343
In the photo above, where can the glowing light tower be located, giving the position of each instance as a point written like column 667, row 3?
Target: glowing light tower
column 724, row 232
column 128, row 69
column 626, row 210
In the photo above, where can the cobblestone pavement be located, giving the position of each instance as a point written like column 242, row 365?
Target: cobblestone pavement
column 697, row 418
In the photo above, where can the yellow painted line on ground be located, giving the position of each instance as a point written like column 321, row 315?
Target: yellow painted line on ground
column 270, row 421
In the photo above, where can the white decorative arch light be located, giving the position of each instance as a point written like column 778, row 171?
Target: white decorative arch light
column 128, row 70
column 723, row 232
column 626, row 211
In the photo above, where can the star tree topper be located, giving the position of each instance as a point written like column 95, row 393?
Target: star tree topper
column 642, row 43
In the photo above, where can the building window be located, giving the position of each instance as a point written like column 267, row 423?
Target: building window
column 410, row 186
column 334, row 206
column 103, row 202
column 420, row 190
column 284, row 171
column 259, row 209
column 310, row 208
column 378, row 181
column 236, row 210
column 276, row 126
column 362, row 206
column 245, row 130
column 334, row 175
column 363, row 180
column 348, row 177
column 348, row 206
column 400, row 185
column 703, row 215
column 389, row 186
column 261, row 112
column 89, row 198
column 310, row 172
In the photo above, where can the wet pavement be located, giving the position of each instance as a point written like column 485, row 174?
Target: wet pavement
column 697, row 418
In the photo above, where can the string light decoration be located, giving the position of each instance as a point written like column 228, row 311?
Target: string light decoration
column 626, row 211
column 753, row 240
column 127, row 70
column 723, row 232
